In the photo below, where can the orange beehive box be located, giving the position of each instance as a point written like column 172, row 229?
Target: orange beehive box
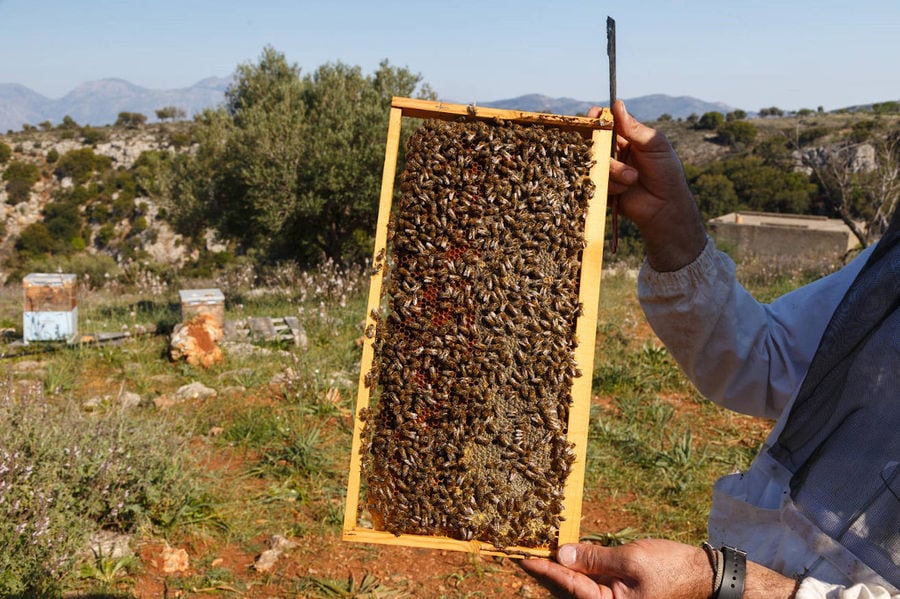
column 474, row 392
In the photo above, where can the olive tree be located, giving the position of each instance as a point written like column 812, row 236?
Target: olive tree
column 290, row 167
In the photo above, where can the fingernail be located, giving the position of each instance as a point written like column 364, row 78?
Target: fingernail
column 566, row 555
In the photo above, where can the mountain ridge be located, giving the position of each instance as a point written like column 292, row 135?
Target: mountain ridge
column 100, row 101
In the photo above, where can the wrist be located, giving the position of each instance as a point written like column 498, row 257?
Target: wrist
column 677, row 248
column 729, row 571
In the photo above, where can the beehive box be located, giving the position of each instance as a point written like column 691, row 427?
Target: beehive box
column 51, row 307
column 202, row 301
column 474, row 392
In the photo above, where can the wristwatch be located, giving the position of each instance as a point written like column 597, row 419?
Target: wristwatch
column 735, row 573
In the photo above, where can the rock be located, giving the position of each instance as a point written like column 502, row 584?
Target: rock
column 110, row 544
column 175, row 560
column 278, row 545
column 193, row 391
column 129, row 399
column 196, row 341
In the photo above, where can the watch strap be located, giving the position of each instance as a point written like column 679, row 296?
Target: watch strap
column 735, row 573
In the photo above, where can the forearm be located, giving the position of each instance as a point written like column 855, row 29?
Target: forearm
column 763, row 583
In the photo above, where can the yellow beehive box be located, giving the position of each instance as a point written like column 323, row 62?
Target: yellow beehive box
column 474, row 393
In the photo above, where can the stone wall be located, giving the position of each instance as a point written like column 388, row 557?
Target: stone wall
column 772, row 236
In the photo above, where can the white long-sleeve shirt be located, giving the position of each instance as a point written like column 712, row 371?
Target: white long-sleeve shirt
column 752, row 358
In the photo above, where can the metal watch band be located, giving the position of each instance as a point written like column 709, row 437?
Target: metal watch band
column 735, row 574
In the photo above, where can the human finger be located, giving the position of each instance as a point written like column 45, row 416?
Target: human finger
column 593, row 560
column 633, row 130
column 622, row 173
column 563, row 582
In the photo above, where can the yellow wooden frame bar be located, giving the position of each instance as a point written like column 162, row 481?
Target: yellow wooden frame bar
column 599, row 130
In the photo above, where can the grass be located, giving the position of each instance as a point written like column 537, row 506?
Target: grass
column 269, row 453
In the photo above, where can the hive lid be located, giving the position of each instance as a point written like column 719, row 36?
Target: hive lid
column 48, row 279
column 201, row 296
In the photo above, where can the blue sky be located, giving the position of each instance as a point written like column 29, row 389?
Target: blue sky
column 749, row 54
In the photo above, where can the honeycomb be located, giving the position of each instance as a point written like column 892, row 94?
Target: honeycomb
column 474, row 347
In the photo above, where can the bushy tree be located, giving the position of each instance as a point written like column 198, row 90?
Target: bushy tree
column 710, row 120
column 20, row 177
column 736, row 132
column 68, row 123
column 715, row 195
column 81, row 164
column 340, row 182
column 170, row 113
column 131, row 120
column 63, row 221
column 291, row 166
column 35, row 240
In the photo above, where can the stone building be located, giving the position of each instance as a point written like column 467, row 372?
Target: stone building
column 770, row 235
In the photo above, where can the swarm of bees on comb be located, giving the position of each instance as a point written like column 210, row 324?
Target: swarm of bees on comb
column 474, row 352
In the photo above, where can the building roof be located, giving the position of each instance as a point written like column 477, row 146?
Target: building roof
column 772, row 219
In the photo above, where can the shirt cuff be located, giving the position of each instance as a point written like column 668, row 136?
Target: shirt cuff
column 698, row 272
column 810, row 588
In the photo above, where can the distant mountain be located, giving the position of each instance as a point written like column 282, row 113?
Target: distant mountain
column 100, row 102
column 646, row 108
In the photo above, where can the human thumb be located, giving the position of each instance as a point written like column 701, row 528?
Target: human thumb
column 587, row 558
column 567, row 555
column 632, row 129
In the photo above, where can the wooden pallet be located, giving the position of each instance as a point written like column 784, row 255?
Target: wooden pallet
column 599, row 130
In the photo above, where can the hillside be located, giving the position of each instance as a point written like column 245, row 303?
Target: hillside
column 117, row 212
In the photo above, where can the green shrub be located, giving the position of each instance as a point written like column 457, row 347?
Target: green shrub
column 5, row 153
column 711, row 121
column 52, row 155
column 811, row 134
column 736, row 132
column 20, row 177
column 106, row 234
column 131, row 120
column 64, row 222
column 17, row 191
column 92, row 136
column 862, row 130
column 68, row 123
column 65, row 473
column 81, row 164
column 35, row 240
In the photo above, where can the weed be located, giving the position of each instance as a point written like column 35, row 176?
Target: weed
column 106, row 570
column 367, row 588
column 611, row 539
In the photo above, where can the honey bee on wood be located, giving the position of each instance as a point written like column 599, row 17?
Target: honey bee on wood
column 474, row 361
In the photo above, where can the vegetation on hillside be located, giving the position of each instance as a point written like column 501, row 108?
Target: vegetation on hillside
column 289, row 169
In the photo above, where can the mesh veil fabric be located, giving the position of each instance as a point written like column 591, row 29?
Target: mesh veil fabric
column 842, row 438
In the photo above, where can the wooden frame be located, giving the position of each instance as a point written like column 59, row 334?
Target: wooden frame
column 599, row 130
